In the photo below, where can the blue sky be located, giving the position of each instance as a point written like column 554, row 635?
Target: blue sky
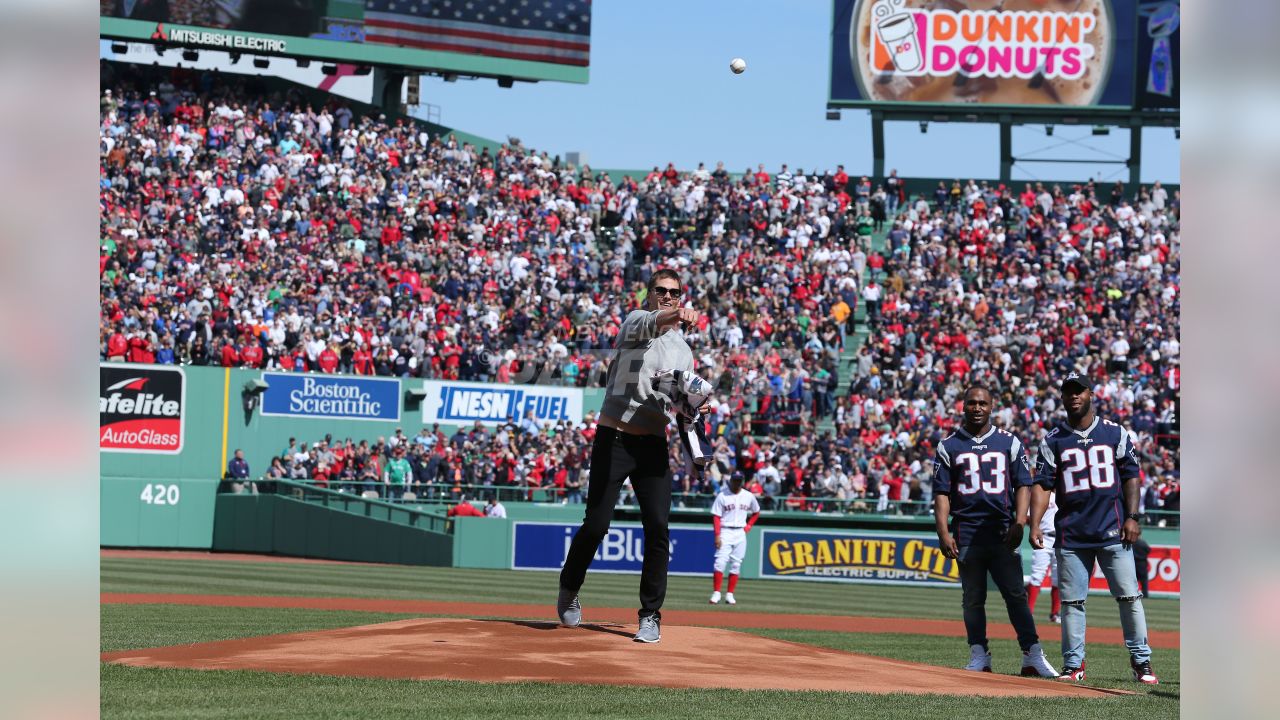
column 661, row 91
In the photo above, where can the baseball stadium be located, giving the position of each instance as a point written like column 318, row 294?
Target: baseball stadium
column 397, row 418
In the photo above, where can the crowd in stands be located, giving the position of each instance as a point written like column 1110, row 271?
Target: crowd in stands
column 512, row 460
column 1015, row 289
column 245, row 227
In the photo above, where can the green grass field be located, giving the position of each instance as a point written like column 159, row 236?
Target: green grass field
column 161, row 693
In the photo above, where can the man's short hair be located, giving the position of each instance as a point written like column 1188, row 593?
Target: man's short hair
column 662, row 273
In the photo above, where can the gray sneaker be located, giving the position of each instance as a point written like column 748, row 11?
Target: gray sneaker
column 568, row 609
column 650, row 629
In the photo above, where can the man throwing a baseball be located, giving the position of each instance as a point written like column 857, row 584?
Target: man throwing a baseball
column 631, row 442
column 982, row 478
column 1089, row 464
column 733, row 513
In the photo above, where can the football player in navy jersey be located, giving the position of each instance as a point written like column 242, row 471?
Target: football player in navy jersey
column 1089, row 464
column 982, row 479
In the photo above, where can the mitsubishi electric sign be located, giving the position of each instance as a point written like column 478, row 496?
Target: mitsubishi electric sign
column 339, row 397
column 219, row 39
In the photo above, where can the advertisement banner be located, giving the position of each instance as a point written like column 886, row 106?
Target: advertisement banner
column 546, row 40
column 463, row 403
column 331, row 396
column 544, row 546
column 1164, row 573
column 141, row 408
column 1036, row 53
column 856, row 557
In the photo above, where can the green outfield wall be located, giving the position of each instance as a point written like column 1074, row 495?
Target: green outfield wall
column 215, row 423
column 168, row 497
column 487, row 542
column 282, row 525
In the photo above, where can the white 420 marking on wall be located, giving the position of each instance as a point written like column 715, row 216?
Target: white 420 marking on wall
column 160, row 494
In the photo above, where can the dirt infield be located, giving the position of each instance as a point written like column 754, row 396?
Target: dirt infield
column 707, row 618
column 687, row 657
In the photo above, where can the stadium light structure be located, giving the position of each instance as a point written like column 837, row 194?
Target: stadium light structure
column 119, row 48
column 261, row 63
column 1101, row 130
column 190, row 55
column 1048, row 130
column 329, row 69
column 506, row 82
column 450, row 77
column 249, row 394
column 924, row 126
column 362, row 70
column 1177, row 133
column 833, row 114
column 413, row 398
column 303, row 62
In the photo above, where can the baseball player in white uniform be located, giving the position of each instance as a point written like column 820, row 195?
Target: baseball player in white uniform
column 1045, row 559
column 733, row 513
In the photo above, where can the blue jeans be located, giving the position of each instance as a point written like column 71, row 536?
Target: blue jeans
column 1005, row 568
column 1074, row 569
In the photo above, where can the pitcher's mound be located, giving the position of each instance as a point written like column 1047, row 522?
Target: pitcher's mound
column 514, row 651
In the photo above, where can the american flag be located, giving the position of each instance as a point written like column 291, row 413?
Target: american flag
column 554, row 31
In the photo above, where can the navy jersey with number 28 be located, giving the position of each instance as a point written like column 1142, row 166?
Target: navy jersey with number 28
column 1086, row 469
column 981, row 476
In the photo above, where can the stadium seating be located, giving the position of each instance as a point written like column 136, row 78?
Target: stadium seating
column 253, row 229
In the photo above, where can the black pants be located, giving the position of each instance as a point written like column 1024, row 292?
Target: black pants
column 615, row 456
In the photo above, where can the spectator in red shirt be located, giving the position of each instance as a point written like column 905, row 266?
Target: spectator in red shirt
column 251, row 354
column 464, row 508
column 362, row 361
column 117, row 347
column 328, row 359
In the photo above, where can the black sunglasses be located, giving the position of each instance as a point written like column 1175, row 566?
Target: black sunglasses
column 664, row 291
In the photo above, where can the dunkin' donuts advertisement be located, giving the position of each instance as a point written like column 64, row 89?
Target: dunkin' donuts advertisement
column 1073, row 53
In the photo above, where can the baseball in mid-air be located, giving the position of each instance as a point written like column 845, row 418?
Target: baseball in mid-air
column 738, row 66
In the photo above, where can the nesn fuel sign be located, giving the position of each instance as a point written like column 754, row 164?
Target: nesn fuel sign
column 465, row 403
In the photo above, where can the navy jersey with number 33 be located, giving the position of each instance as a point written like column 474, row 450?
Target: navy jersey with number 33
column 1086, row 469
column 981, row 476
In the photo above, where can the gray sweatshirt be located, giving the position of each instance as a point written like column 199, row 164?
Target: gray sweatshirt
column 629, row 395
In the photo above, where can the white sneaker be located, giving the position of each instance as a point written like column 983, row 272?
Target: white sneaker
column 1035, row 664
column 979, row 659
column 715, row 597
column 728, row 597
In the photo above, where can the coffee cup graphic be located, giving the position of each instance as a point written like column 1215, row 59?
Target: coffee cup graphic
column 898, row 33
